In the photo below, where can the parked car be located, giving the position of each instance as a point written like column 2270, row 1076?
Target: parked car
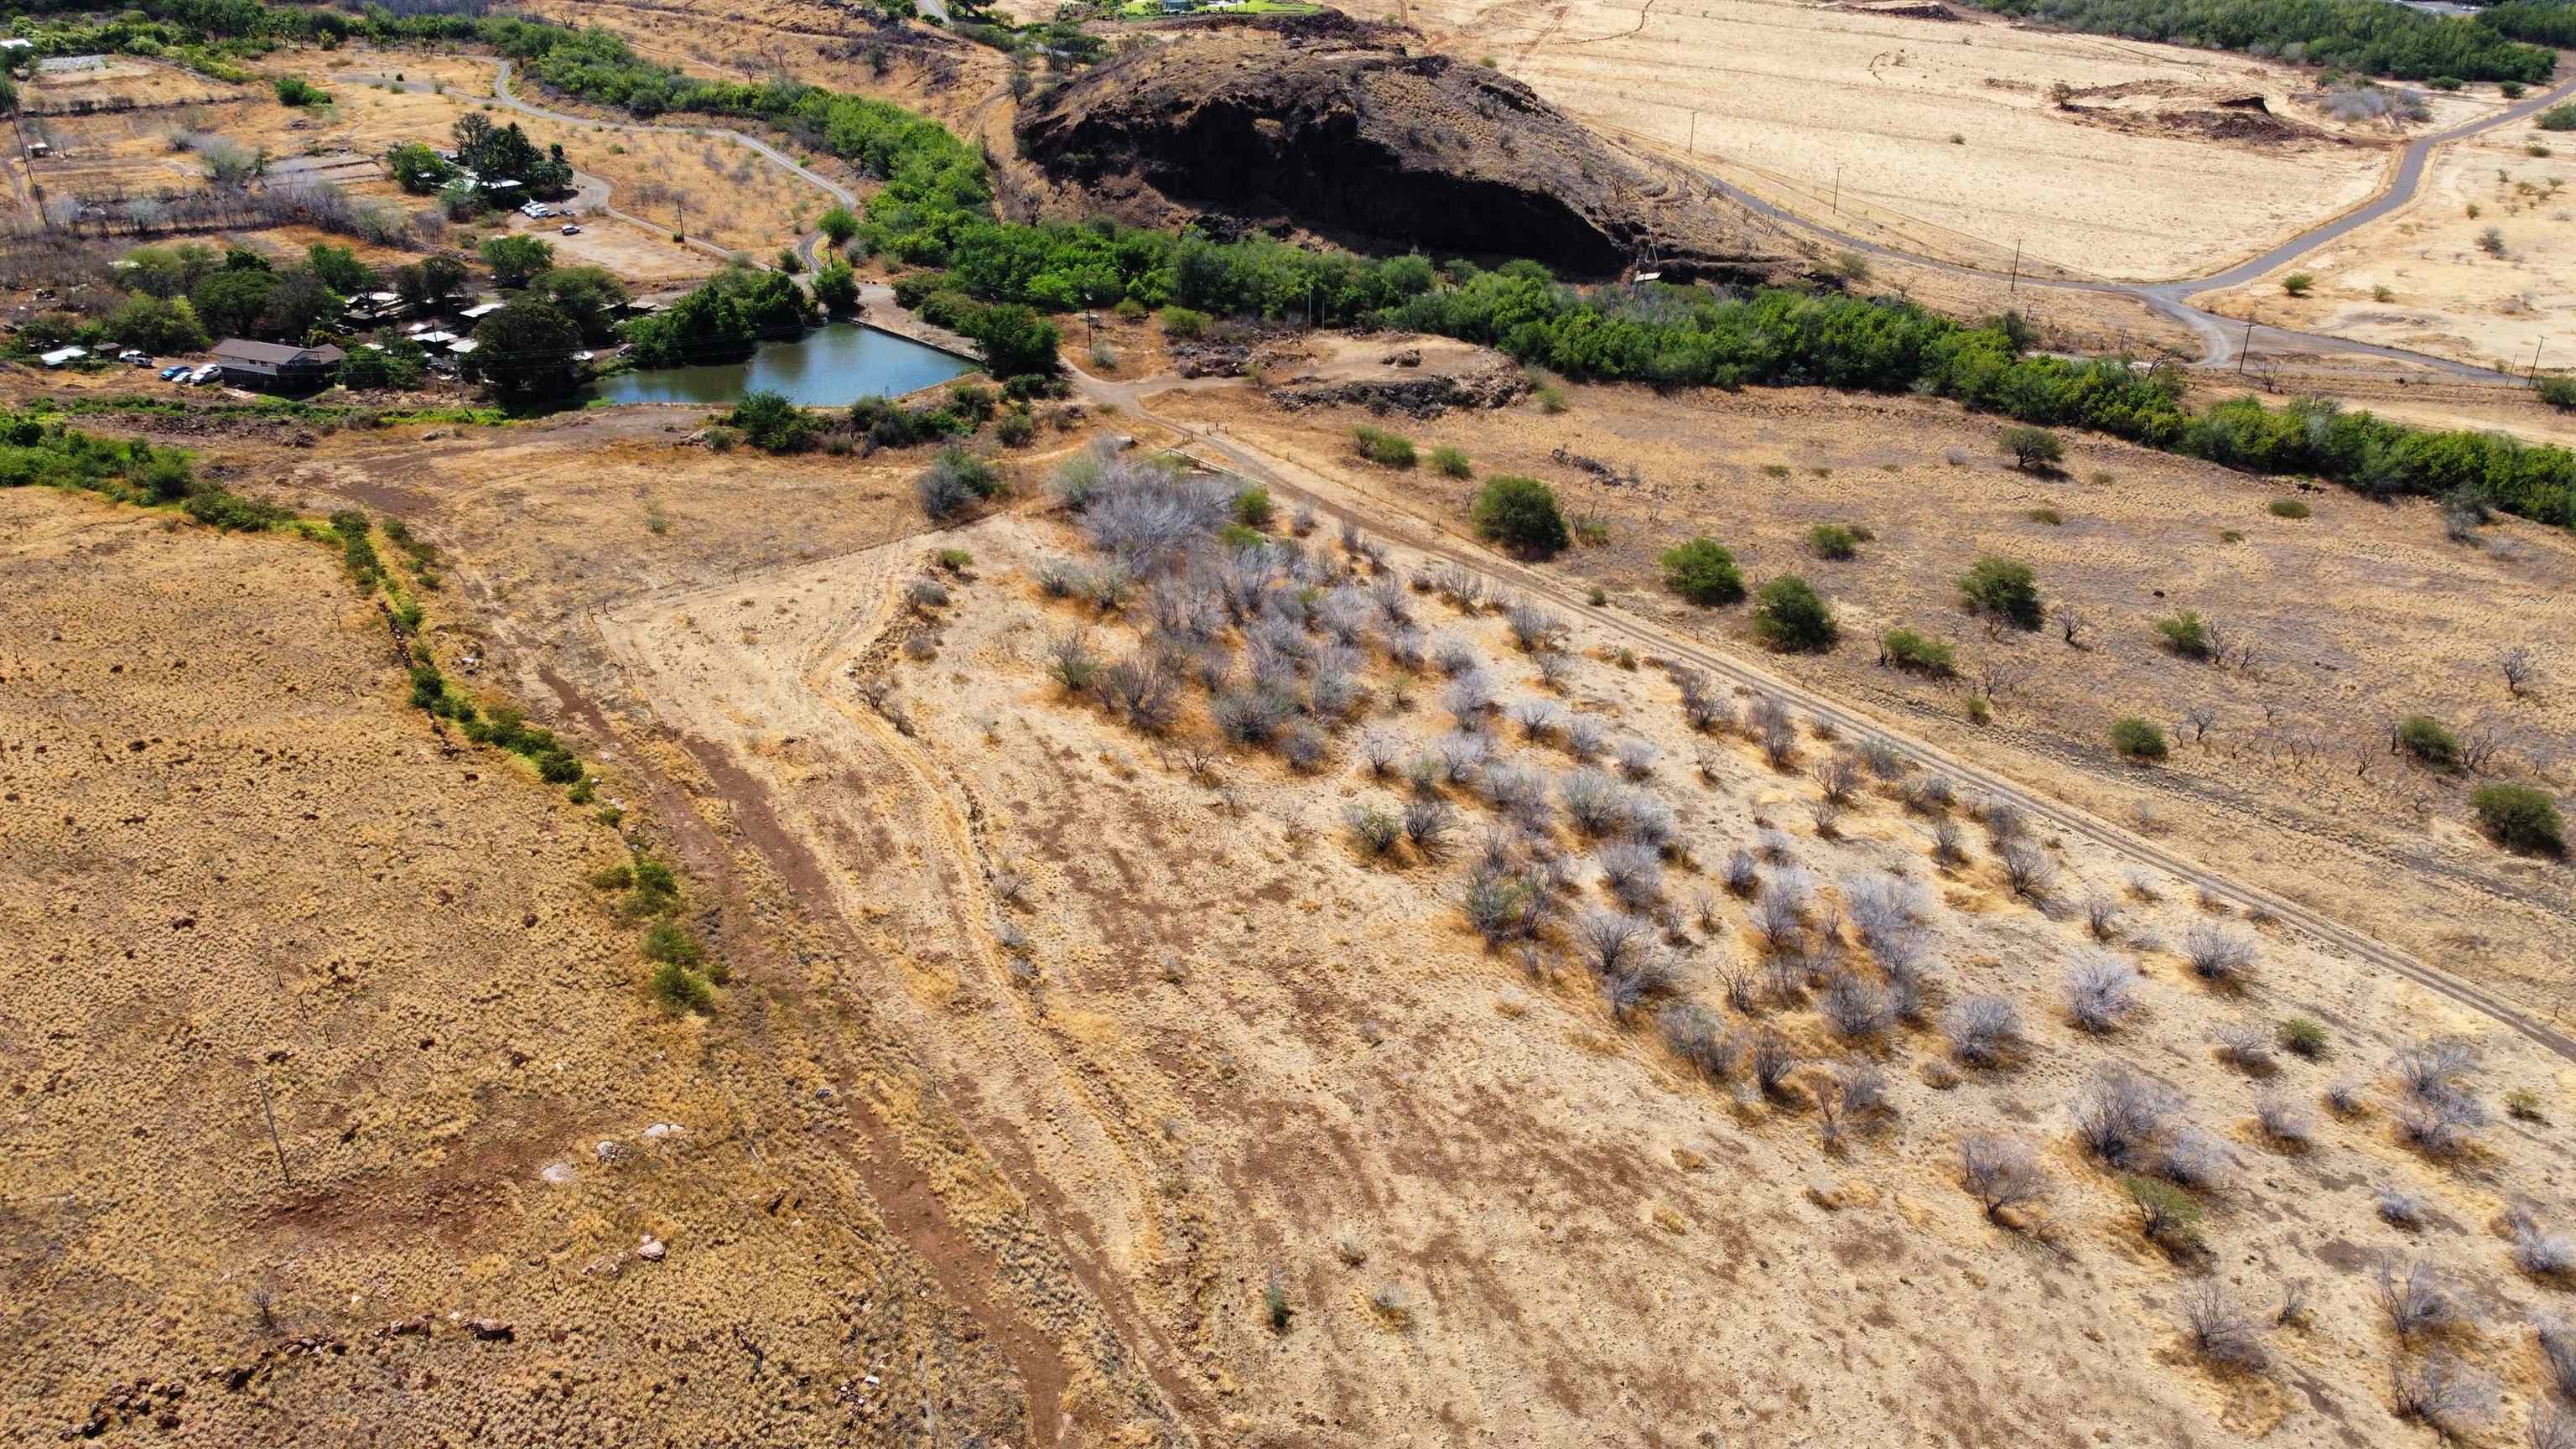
column 174, row 372
column 132, row 358
column 203, row 375
column 571, row 230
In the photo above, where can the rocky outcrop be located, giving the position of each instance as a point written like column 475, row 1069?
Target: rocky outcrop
column 1356, row 138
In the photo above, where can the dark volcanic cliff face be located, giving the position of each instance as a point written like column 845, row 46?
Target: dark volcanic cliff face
column 1352, row 136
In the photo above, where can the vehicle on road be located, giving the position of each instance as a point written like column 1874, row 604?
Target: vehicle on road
column 174, row 372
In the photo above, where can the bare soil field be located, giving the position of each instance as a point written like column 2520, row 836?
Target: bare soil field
column 346, row 1095
column 2363, row 612
column 2430, row 278
column 1941, row 134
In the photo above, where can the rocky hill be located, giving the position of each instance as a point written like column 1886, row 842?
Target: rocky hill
column 1352, row 136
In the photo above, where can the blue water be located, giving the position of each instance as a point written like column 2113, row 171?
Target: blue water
column 831, row 366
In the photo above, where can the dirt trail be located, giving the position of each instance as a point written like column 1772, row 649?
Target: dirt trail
column 1414, row 530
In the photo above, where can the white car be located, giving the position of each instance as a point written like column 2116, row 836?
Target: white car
column 205, row 374
column 571, row 230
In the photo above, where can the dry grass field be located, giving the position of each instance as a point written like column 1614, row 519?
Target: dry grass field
column 1189, row 1114
column 2430, row 277
column 1944, row 133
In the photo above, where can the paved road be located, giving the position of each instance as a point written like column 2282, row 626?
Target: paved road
column 1230, row 453
column 2220, row 336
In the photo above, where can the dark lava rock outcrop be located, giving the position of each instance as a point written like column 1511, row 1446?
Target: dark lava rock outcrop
column 1351, row 136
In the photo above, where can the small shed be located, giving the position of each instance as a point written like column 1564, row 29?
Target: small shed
column 61, row 355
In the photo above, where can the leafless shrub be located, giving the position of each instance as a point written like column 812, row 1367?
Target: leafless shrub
column 1699, row 1039
column 1931, row 795
column 1742, row 874
column 1143, row 686
column 1634, row 873
column 1636, row 757
column 2445, row 1395
column 1533, row 628
column 2285, row 1123
column 1864, row 1091
column 1302, row 747
column 1984, row 1030
column 2551, row 1428
column 2347, row 1097
column 2440, row 1126
column 1456, row 656
column 2001, row 1172
column 1610, row 940
column 1779, row 741
column 2027, row 868
column 1592, row 800
column 2100, row 990
column 2436, row 1066
column 1463, row 756
column 1073, row 663
column 1585, row 736
column 2398, row 1207
column 1519, row 792
column 1883, row 907
column 1650, row 822
column 1880, row 754
column 1828, row 818
column 2538, row 1251
column 2101, row 916
column 1379, row 750
column 1773, row 1060
column 1537, row 717
column 1555, row 668
column 2294, row 1303
column 1855, row 1008
column 2218, row 954
column 2120, row 1115
column 1946, row 845
column 1740, row 992
column 2247, row 1046
column 2413, row 1298
column 1643, row 978
column 2003, row 820
column 2558, row 1351
column 1428, row 824
column 1775, row 845
column 1780, row 917
column 1839, row 776
column 2219, row 1331
column 2517, row 665
column 2192, row 1158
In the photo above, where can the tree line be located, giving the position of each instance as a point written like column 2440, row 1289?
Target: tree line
column 2374, row 37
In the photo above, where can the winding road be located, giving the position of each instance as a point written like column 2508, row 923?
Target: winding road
column 2221, row 337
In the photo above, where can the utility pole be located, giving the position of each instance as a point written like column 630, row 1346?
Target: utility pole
column 1693, row 147
column 1838, row 189
column 2015, row 284
column 2535, row 359
column 274, row 1144
column 2247, row 350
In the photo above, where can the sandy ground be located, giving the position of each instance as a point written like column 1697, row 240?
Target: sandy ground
column 2415, row 624
column 1234, row 1051
column 2445, row 293
column 1786, row 96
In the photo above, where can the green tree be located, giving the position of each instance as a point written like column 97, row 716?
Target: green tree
column 770, row 422
column 590, row 296
column 2138, row 738
column 839, row 225
column 525, row 350
column 339, row 268
column 704, row 326
column 158, row 325
column 514, row 259
column 1704, row 572
column 2429, row 741
column 170, row 271
column 2033, row 449
column 389, row 365
column 1520, row 513
column 1015, row 340
column 2005, row 590
column 229, row 302
column 432, row 282
column 295, row 90
column 836, row 288
column 2522, row 818
column 1789, row 617
column 299, row 303
column 418, row 169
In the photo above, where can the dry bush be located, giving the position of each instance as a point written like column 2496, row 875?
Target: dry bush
column 1538, row 718
column 1379, row 750
column 2100, row 990
column 1500, row 903
column 2347, row 1098
column 2001, row 1171
column 2285, row 1123
column 1839, row 776
column 2398, row 1206
column 2445, row 1395
column 2120, row 1115
column 1634, row 873
column 1592, row 800
column 2440, row 1126
column 1931, row 795
column 1984, row 1030
column 2538, row 1251
column 2219, row 1332
column 2027, row 868
column 1376, row 828
column 1610, row 940
column 1585, row 737
column 2248, row 1047
column 2217, row 954
column 1773, row 1059
column 1947, row 846
column 1463, row 756
column 2436, row 1066
column 2557, row 1340
column 1885, row 908
column 1555, row 668
column 1855, row 1008
column 1699, row 1039
column 2102, row 916
column 1636, row 757
column 2551, row 1429
column 2413, row 1298
column 1429, row 824
column 2192, row 1158
column 1742, row 874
